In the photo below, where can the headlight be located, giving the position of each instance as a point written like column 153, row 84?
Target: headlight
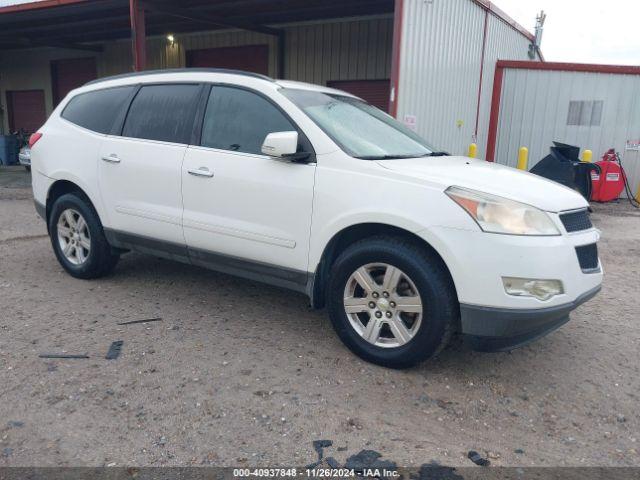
column 500, row 215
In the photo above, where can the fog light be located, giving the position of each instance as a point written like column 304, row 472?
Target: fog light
column 527, row 287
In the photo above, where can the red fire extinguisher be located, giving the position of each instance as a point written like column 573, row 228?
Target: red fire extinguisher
column 610, row 182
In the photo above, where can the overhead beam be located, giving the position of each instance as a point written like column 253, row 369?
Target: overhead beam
column 71, row 46
column 69, row 21
column 66, row 25
column 22, row 42
column 112, row 32
column 324, row 11
column 207, row 18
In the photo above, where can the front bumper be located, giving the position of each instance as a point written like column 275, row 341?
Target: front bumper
column 493, row 320
column 479, row 261
column 489, row 329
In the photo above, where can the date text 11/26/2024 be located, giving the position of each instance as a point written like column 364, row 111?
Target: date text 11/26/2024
column 315, row 472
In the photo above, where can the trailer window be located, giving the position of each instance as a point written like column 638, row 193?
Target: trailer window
column 585, row 114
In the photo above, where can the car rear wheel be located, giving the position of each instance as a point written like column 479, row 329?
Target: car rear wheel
column 392, row 302
column 78, row 239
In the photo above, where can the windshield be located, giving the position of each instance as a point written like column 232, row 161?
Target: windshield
column 360, row 129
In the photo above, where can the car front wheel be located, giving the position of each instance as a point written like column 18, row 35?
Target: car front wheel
column 392, row 301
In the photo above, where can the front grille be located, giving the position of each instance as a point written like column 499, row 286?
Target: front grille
column 576, row 221
column 588, row 257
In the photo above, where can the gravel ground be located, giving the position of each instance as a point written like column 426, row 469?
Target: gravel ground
column 241, row 374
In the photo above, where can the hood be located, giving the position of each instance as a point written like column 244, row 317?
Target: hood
column 490, row 178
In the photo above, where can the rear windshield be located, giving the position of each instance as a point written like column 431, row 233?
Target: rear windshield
column 360, row 129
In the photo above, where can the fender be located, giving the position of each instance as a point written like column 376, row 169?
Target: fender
column 322, row 237
column 87, row 189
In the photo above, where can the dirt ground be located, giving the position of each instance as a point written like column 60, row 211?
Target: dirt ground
column 241, row 374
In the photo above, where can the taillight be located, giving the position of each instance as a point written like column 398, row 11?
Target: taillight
column 34, row 138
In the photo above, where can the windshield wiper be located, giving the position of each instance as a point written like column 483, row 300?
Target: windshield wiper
column 388, row 157
column 437, row 154
column 403, row 157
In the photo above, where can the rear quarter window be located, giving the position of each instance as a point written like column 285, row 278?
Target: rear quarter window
column 97, row 110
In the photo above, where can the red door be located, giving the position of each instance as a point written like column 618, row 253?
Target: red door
column 250, row 58
column 70, row 73
column 375, row 92
column 26, row 110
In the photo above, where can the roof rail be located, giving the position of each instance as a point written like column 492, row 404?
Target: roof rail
column 181, row 70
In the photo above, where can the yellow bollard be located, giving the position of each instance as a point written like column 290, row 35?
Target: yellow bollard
column 523, row 159
column 587, row 156
column 638, row 194
column 473, row 150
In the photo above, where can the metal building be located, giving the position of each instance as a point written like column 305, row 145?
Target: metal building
column 429, row 62
column 447, row 61
column 595, row 107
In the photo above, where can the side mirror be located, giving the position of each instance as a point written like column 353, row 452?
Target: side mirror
column 280, row 144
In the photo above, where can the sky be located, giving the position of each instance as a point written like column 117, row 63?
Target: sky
column 583, row 31
column 4, row 3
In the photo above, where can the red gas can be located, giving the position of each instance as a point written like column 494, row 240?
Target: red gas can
column 609, row 184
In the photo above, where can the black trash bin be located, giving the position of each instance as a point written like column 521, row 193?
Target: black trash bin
column 8, row 150
column 563, row 165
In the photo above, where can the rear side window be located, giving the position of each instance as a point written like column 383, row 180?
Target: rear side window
column 239, row 120
column 162, row 112
column 97, row 110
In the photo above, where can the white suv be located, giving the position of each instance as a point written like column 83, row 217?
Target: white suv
column 312, row 189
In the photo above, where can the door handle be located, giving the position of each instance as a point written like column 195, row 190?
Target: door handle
column 113, row 158
column 201, row 172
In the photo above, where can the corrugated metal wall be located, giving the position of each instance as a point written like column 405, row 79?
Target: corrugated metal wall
column 440, row 69
column 534, row 112
column 161, row 54
column 317, row 52
column 356, row 49
column 361, row 50
column 503, row 43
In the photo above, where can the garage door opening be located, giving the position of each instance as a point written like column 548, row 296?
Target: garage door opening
column 70, row 73
column 26, row 110
column 375, row 92
column 250, row 58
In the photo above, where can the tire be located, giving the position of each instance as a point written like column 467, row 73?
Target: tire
column 27, row 168
column 95, row 261
column 422, row 277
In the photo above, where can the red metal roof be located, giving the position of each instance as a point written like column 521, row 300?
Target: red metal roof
column 570, row 67
column 69, row 23
column 42, row 4
column 36, row 5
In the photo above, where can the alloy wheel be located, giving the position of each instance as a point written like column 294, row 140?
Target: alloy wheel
column 383, row 305
column 74, row 237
